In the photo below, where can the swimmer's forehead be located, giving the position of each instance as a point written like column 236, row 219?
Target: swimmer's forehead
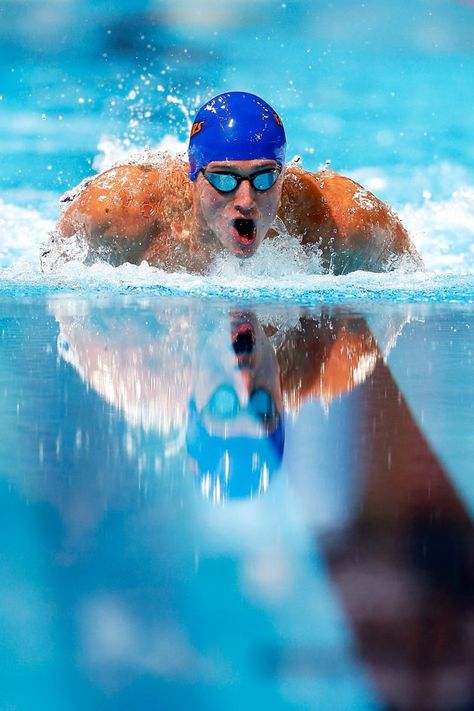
column 241, row 166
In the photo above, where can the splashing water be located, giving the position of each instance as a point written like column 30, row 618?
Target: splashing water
column 113, row 151
column 282, row 269
column 443, row 232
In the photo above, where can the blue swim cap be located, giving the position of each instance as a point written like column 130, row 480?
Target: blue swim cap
column 238, row 466
column 235, row 126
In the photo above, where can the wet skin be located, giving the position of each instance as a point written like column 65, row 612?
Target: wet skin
column 154, row 213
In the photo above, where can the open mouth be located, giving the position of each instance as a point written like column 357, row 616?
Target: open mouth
column 243, row 344
column 244, row 230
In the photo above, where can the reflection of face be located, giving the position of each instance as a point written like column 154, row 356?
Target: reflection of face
column 240, row 219
column 245, row 367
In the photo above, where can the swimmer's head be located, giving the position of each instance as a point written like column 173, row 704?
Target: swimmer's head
column 235, row 126
column 236, row 155
column 235, row 435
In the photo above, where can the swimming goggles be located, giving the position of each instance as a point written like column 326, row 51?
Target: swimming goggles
column 224, row 404
column 228, row 182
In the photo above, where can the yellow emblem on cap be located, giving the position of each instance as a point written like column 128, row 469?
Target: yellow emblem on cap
column 196, row 127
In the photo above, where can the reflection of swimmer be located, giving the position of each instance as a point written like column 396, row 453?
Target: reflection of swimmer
column 235, row 431
column 173, row 215
column 325, row 357
column 222, row 392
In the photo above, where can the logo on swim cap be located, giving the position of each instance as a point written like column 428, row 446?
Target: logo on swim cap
column 196, row 127
column 235, row 126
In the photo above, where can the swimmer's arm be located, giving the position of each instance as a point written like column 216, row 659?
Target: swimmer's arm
column 352, row 227
column 118, row 208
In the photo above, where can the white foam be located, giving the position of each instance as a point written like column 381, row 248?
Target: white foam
column 292, row 287
column 22, row 230
column 275, row 260
column 441, row 228
column 443, row 231
column 113, row 151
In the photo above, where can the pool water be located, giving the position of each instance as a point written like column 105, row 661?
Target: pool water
column 252, row 488
column 140, row 568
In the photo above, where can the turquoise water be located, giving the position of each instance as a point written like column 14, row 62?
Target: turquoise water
column 174, row 537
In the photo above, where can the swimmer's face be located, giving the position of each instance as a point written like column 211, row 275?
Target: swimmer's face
column 240, row 360
column 239, row 219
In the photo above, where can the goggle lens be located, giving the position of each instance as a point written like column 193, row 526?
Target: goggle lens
column 264, row 181
column 224, row 182
column 262, row 404
column 224, row 404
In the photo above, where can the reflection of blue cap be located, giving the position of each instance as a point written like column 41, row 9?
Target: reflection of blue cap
column 233, row 467
column 235, row 126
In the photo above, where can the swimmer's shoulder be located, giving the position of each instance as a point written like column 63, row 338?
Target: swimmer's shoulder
column 353, row 228
column 329, row 191
column 127, row 198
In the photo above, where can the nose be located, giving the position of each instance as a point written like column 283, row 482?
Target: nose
column 244, row 200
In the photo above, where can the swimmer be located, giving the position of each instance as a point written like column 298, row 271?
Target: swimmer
column 219, row 384
column 234, row 192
